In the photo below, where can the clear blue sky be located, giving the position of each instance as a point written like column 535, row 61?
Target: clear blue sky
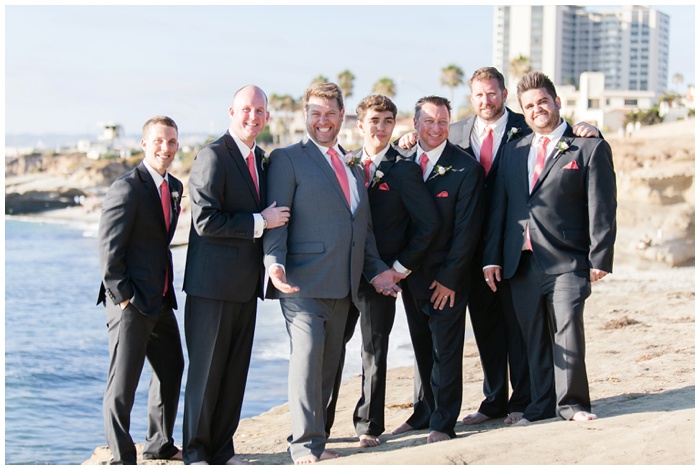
column 69, row 67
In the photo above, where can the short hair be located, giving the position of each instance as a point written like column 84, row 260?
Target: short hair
column 432, row 99
column 533, row 81
column 164, row 120
column 254, row 86
column 378, row 103
column 488, row 73
column 325, row 90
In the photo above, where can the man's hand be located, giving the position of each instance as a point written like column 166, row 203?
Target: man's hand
column 275, row 216
column 597, row 275
column 124, row 304
column 385, row 282
column 491, row 275
column 583, row 129
column 407, row 141
column 441, row 295
column 279, row 280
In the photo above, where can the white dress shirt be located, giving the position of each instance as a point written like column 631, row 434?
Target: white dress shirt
column 554, row 138
column 433, row 157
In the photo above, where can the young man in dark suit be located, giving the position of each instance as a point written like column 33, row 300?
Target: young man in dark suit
column 139, row 217
column 224, row 278
column 405, row 222
column 551, row 232
column 436, row 293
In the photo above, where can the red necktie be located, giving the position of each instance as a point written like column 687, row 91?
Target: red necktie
column 486, row 152
column 340, row 174
column 423, row 163
column 368, row 170
column 539, row 163
column 251, row 167
column 165, row 203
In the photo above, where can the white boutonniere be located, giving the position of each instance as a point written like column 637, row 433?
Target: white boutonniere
column 562, row 146
column 176, row 198
column 265, row 160
column 351, row 160
column 378, row 175
column 440, row 170
column 513, row 132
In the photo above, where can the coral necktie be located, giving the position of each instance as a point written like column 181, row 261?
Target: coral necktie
column 165, row 203
column 340, row 174
column 539, row 163
column 368, row 171
column 423, row 163
column 251, row 167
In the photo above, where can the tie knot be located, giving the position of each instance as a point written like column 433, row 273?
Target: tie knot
column 367, row 163
column 164, row 185
column 544, row 141
column 488, row 130
column 424, row 158
column 332, row 152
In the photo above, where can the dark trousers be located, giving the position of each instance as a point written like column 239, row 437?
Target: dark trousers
column 501, row 347
column 219, row 337
column 550, row 312
column 438, row 345
column 376, row 313
column 133, row 338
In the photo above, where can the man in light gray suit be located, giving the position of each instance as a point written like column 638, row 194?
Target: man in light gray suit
column 315, row 262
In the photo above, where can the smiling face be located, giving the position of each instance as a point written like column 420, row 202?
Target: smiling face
column 488, row 99
column 541, row 111
column 248, row 114
column 432, row 125
column 377, row 127
column 160, row 145
column 323, row 120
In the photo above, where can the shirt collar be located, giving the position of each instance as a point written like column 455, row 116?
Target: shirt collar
column 324, row 150
column 157, row 178
column 242, row 147
column 553, row 136
column 434, row 154
column 376, row 159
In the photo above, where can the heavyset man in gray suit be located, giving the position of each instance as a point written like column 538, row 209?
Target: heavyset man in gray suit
column 139, row 217
column 315, row 262
column 224, row 278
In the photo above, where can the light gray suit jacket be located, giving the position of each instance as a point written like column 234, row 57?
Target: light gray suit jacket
column 324, row 248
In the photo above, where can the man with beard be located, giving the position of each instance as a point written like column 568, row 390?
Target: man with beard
column 315, row 262
column 551, row 232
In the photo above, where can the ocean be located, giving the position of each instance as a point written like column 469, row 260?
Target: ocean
column 56, row 354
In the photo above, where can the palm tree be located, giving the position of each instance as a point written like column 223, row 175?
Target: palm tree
column 452, row 77
column 519, row 67
column 346, row 83
column 320, row 79
column 385, row 86
column 678, row 78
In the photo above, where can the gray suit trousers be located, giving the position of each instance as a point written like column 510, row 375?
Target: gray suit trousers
column 315, row 328
column 133, row 338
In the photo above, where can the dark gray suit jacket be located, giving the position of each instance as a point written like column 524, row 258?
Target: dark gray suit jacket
column 324, row 248
column 133, row 244
column 224, row 261
column 571, row 210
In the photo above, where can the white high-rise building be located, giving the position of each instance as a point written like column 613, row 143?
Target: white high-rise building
column 629, row 45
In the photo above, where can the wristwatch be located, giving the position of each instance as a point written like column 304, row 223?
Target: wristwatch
column 264, row 223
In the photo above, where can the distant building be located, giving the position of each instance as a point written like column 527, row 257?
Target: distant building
column 109, row 143
column 628, row 45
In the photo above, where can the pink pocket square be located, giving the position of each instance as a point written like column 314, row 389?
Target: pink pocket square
column 570, row 166
column 442, row 194
column 384, row 187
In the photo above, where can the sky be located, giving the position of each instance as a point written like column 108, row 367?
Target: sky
column 68, row 68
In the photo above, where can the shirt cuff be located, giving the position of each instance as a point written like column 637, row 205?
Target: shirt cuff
column 259, row 225
column 399, row 268
column 490, row 266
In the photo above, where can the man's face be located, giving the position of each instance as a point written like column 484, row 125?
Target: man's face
column 248, row 114
column 160, row 146
column 432, row 125
column 541, row 110
column 323, row 120
column 488, row 99
column 377, row 127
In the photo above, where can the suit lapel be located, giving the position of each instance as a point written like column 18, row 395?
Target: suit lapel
column 153, row 192
column 240, row 162
column 555, row 156
column 319, row 159
column 262, row 178
column 520, row 157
